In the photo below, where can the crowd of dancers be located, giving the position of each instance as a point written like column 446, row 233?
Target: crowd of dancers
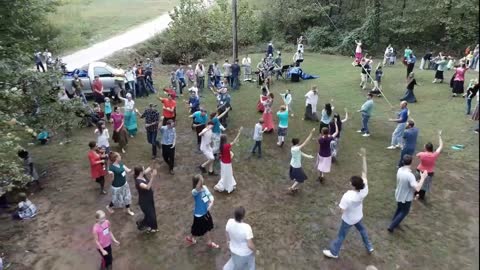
column 214, row 145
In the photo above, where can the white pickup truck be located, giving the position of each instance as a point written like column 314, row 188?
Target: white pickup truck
column 111, row 77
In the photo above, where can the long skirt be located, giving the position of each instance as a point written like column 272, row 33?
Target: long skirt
column 150, row 215
column 202, row 225
column 409, row 96
column 131, row 122
column 458, row 87
column 297, row 174
column 475, row 115
column 120, row 137
column 439, row 75
column 227, row 181
column 268, row 121
column 121, row 196
column 358, row 57
column 324, row 163
column 309, row 114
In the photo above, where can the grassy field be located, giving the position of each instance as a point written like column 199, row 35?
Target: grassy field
column 85, row 22
column 290, row 231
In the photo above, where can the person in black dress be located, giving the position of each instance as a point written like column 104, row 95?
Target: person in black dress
column 145, row 198
column 409, row 95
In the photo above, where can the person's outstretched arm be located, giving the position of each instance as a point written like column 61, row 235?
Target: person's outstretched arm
column 440, row 142
column 363, row 154
column 346, row 116
column 307, row 139
column 237, row 137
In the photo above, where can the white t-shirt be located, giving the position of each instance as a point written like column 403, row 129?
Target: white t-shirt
column 247, row 61
column 129, row 105
column 239, row 234
column 102, row 139
column 312, row 99
column 194, row 89
column 205, row 145
column 352, row 205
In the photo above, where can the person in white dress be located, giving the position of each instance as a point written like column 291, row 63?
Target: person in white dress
column 287, row 99
column 102, row 136
column 227, row 181
column 247, row 68
column 207, row 150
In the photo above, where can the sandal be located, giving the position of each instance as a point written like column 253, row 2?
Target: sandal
column 213, row 245
column 190, row 240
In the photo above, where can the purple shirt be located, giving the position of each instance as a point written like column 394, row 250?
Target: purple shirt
column 324, row 143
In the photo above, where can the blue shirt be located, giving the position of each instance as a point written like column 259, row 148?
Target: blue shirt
column 168, row 135
column 202, row 199
column 108, row 107
column 180, row 74
column 378, row 75
column 325, row 118
column 412, row 59
column 403, row 115
column 216, row 126
column 194, row 103
column 410, row 138
column 367, row 107
column 198, row 118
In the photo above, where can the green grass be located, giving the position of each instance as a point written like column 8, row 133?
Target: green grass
column 290, row 232
column 85, row 22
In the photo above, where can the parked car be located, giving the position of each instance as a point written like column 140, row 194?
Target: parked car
column 111, row 77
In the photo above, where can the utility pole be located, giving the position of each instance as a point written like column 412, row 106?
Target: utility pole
column 234, row 29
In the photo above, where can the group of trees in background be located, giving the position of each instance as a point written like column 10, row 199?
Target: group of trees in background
column 329, row 26
column 28, row 99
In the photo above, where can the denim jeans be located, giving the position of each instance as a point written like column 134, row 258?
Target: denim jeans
column 131, row 88
column 240, row 262
column 397, row 135
column 405, row 151
column 342, row 233
column 400, row 214
column 152, row 139
column 258, row 145
column 235, row 83
column 365, row 118
column 468, row 105
column 181, row 85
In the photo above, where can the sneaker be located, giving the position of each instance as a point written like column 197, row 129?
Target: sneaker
column 103, row 192
column 390, row 230
column 391, row 147
column 371, row 250
column 329, row 254
column 399, row 146
column 366, row 135
column 129, row 212
column 359, row 131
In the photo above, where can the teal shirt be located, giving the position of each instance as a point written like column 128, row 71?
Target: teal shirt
column 108, row 107
column 119, row 175
column 367, row 107
column 283, row 119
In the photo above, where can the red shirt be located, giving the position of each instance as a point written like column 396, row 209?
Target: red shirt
column 427, row 161
column 170, row 103
column 225, row 156
column 97, row 85
column 96, row 170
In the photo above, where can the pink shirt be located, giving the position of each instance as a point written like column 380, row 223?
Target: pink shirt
column 117, row 120
column 103, row 233
column 427, row 161
column 460, row 74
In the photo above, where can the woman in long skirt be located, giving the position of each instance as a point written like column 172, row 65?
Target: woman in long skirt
column 202, row 220
column 119, row 133
column 227, row 181
column 297, row 175
column 130, row 115
column 143, row 183
column 358, row 53
column 121, row 196
column 332, row 127
column 311, row 104
column 409, row 95
column 459, row 80
column 324, row 157
column 263, row 98
column 103, row 236
column 267, row 114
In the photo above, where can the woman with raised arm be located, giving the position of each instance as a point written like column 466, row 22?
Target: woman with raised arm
column 143, row 182
column 324, row 157
column 297, row 175
column 428, row 158
column 334, row 144
column 130, row 115
column 227, row 181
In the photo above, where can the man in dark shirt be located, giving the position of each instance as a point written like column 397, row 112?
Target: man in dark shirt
column 410, row 141
column 141, row 86
column 152, row 118
column 235, row 75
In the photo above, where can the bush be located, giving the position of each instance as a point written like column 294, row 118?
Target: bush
column 320, row 37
